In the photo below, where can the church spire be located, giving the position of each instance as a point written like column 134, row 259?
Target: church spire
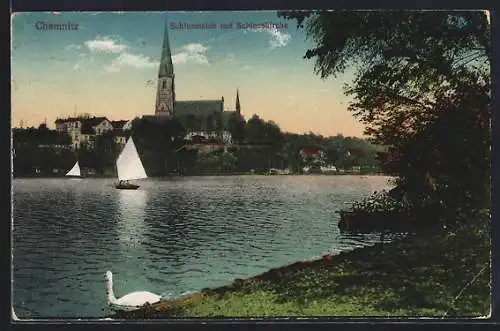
column 238, row 108
column 166, row 67
column 165, row 93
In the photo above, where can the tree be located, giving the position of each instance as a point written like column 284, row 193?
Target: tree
column 404, row 61
column 254, row 129
column 267, row 141
column 260, row 132
column 218, row 125
column 156, row 142
column 88, row 157
column 274, row 136
column 190, row 122
column 413, row 70
column 40, row 148
column 236, row 125
column 228, row 162
column 209, row 123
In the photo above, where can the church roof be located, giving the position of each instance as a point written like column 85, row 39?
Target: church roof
column 198, row 107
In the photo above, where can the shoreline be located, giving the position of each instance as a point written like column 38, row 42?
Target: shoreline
column 207, row 175
column 419, row 275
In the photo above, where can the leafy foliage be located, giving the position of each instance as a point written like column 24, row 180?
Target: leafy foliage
column 237, row 127
column 215, row 162
column 421, row 87
column 40, row 148
column 157, row 142
column 379, row 202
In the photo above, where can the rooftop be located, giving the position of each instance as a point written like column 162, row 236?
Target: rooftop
column 89, row 123
column 118, row 124
column 311, row 150
column 198, row 107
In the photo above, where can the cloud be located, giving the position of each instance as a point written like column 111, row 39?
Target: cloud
column 83, row 59
column 73, row 47
column 133, row 61
column 277, row 38
column 246, row 67
column 191, row 53
column 105, row 45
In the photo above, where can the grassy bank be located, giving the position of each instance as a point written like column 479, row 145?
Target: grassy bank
column 435, row 274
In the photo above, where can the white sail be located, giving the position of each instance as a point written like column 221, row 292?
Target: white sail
column 128, row 164
column 75, row 171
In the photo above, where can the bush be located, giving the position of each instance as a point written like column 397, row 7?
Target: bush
column 380, row 202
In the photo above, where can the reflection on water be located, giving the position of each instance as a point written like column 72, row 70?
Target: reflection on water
column 170, row 236
column 131, row 224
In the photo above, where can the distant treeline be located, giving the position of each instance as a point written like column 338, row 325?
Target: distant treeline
column 258, row 145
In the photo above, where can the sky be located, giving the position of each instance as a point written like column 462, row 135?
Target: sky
column 107, row 65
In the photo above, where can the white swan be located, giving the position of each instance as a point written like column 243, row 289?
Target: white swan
column 129, row 301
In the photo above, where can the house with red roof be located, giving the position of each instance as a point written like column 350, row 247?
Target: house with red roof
column 312, row 154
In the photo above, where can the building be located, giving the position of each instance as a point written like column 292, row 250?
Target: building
column 122, row 125
column 203, row 119
column 85, row 129
column 312, row 155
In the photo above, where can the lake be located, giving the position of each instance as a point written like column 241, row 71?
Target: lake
column 170, row 237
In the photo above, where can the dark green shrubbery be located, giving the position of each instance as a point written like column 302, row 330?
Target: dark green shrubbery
column 380, row 202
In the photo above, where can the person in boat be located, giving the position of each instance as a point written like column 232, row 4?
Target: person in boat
column 124, row 183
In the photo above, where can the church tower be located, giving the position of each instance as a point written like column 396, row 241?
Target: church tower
column 165, row 93
column 238, row 108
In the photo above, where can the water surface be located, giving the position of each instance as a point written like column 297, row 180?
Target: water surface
column 170, row 236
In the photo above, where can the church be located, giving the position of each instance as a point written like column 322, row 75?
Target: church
column 203, row 119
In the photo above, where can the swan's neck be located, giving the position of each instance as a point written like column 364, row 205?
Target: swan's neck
column 109, row 291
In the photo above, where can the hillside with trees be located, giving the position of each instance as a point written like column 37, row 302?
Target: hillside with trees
column 258, row 145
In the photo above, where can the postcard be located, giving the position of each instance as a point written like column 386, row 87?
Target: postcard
column 253, row 164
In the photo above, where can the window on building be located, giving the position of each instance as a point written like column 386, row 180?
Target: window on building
column 164, row 84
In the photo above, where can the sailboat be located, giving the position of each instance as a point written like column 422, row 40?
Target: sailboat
column 74, row 172
column 129, row 167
